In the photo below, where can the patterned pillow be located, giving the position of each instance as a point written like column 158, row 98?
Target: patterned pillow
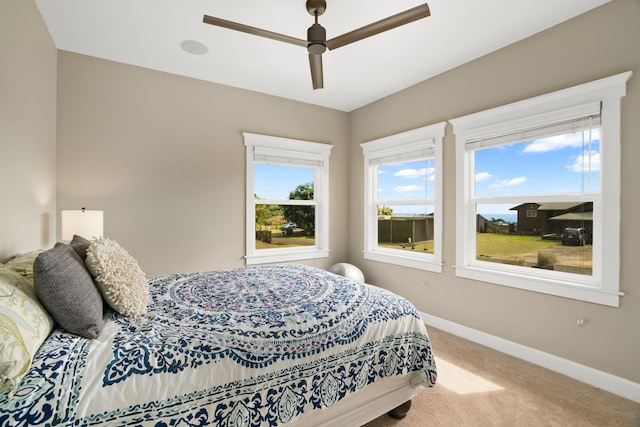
column 24, row 325
column 11, row 277
column 119, row 277
column 65, row 287
column 23, row 263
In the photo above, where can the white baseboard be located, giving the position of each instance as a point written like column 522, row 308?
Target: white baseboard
column 611, row 383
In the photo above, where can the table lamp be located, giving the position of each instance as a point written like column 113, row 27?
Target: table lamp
column 83, row 222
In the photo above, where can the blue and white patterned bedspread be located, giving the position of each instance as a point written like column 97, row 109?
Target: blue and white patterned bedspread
column 252, row 346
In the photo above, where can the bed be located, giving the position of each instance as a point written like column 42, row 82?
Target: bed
column 269, row 345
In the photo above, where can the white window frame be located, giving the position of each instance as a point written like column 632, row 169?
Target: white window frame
column 291, row 152
column 403, row 145
column 603, row 286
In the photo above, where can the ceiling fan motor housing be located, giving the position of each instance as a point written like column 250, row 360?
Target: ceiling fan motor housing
column 317, row 36
column 316, row 7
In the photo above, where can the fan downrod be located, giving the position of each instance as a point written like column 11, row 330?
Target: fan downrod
column 316, row 7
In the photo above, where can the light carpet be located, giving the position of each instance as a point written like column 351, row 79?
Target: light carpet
column 478, row 386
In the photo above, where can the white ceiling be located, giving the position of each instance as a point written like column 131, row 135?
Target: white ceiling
column 148, row 33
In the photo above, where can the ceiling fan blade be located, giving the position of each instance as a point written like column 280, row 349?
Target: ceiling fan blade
column 389, row 23
column 253, row 30
column 315, row 61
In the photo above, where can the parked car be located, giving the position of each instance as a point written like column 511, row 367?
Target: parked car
column 575, row 236
column 288, row 226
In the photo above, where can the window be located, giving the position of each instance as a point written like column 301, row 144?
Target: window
column 287, row 199
column 403, row 198
column 538, row 193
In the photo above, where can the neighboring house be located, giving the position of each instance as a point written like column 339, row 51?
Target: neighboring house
column 483, row 225
column 552, row 218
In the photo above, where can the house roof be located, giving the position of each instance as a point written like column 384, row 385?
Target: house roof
column 573, row 216
column 558, row 206
column 551, row 206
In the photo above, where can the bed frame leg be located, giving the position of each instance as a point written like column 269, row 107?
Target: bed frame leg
column 401, row 411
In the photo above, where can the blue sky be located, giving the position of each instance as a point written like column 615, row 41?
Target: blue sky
column 544, row 166
column 276, row 181
column 554, row 165
column 407, row 181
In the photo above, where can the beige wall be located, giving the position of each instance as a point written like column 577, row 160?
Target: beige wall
column 163, row 157
column 27, row 129
column 595, row 45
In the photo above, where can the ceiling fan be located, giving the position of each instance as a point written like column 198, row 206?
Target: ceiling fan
column 317, row 42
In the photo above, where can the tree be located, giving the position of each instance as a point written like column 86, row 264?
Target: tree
column 264, row 213
column 304, row 216
column 385, row 210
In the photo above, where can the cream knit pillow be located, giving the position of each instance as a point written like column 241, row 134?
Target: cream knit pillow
column 119, row 277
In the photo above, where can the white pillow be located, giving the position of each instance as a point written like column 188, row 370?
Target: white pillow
column 121, row 281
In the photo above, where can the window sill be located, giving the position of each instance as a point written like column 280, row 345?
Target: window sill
column 276, row 255
column 417, row 262
column 550, row 286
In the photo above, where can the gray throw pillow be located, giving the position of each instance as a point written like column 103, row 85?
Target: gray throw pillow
column 80, row 245
column 66, row 289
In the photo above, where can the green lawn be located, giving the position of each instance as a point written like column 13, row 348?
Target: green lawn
column 490, row 245
column 279, row 241
column 420, row 246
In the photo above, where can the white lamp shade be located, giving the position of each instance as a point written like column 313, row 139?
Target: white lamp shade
column 84, row 223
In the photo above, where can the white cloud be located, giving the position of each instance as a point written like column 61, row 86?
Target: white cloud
column 407, row 188
column 483, row 176
column 509, row 182
column 414, row 173
column 555, row 143
column 381, row 172
column 582, row 163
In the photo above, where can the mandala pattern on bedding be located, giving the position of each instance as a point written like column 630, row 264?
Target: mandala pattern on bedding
column 254, row 317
